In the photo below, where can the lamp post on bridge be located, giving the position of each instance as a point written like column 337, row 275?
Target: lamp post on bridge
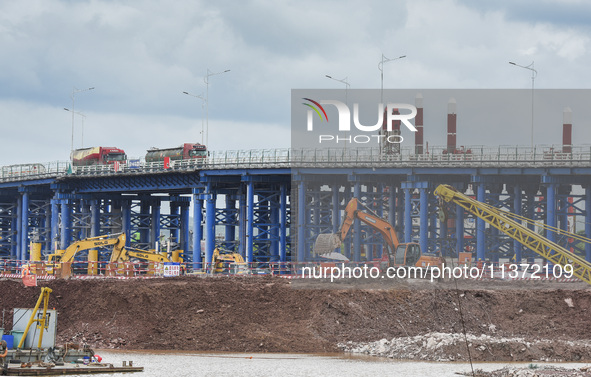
column 83, row 117
column 203, row 102
column 381, row 68
column 344, row 81
column 74, row 91
column 534, row 73
column 206, row 80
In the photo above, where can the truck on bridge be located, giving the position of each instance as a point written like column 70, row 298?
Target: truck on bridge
column 98, row 156
column 186, row 151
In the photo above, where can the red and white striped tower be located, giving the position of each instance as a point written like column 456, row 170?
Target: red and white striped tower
column 567, row 130
column 451, row 125
column 419, row 124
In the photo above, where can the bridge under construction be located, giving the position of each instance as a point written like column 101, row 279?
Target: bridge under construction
column 269, row 205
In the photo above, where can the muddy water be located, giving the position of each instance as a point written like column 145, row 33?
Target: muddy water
column 180, row 364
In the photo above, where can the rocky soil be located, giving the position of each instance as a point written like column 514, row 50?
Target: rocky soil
column 267, row 314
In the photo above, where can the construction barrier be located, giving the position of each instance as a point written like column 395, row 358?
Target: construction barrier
column 484, row 270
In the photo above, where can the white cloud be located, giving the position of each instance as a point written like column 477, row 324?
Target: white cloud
column 140, row 56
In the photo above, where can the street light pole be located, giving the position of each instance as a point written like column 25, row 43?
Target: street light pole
column 74, row 91
column 206, row 80
column 203, row 101
column 381, row 68
column 534, row 73
column 344, row 81
column 83, row 117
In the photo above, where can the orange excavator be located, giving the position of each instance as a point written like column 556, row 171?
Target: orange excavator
column 396, row 254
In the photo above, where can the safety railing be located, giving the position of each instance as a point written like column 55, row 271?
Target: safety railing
column 439, row 156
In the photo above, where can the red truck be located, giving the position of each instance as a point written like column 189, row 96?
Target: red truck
column 186, row 151
column 98, row 156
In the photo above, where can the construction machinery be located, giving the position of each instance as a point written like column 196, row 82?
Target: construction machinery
column 397, row 254
column 510, row 224
column 228, row 261
column 126, row 253
column 67, row 255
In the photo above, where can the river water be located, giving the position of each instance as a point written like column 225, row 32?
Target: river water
column 180, row 364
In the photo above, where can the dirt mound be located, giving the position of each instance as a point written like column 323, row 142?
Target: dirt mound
column 266, row 314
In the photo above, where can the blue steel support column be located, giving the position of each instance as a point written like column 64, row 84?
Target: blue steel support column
column 14, row 224
column 274, row 231
column 66, row 237
column 301, row 211
column 480, row 236
column 459, row 230
column 209, row 223
column 444, row 238
column 185, row 234
column 95, row 218
column 588, row 222
column 55, row 213
column 283, row 222
column 424, row 219
column 563, row 224
column 357, row 227
column 392, row 206
column 517, row 199
column 230, row 229
column 156, row 227
column 24, row 234
column 197, row 229
column 19, row 221
column 126, row 221
column 551, row 210
column 48, row 242
column 242, row 224
column 407, row 215
column 250, row 221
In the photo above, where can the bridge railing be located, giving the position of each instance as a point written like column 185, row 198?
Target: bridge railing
column 465, row 156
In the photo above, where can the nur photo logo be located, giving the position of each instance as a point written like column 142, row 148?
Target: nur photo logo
column 369, row 131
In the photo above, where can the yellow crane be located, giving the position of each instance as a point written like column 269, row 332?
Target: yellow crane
column 506, row 223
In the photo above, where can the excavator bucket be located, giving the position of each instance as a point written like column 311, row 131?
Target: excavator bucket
column 325, row 243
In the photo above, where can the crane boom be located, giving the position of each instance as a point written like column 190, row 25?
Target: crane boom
column 549, row 250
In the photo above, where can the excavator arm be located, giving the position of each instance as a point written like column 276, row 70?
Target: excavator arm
column 549, row 250
column 116, row 240
column 125, row 254
column 355, row 210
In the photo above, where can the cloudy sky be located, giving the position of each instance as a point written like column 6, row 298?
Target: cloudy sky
column 141, row 55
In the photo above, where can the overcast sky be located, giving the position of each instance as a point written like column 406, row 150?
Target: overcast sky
column 141, row 55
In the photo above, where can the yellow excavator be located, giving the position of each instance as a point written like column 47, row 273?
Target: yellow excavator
column 67, row 255
column 228, row 261
column 396, row 254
